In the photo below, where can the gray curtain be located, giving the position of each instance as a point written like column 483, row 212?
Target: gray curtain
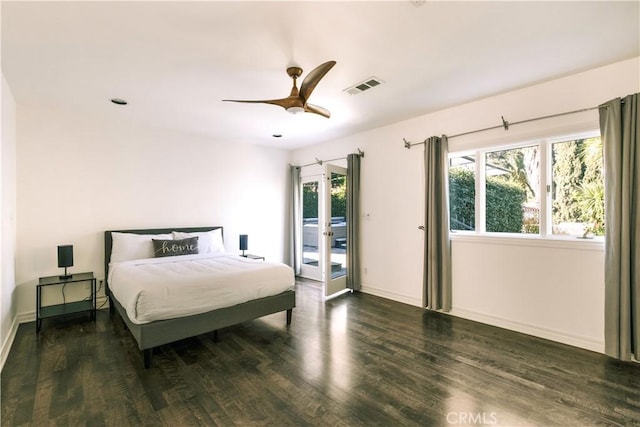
column 295, row 231
column 619, row 120
column 437, row 247
column 353, row 222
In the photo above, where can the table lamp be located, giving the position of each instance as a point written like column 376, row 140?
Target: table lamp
column 65, row 259
column 244, row 243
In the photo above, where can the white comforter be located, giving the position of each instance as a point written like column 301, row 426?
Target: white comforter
column 165, row 288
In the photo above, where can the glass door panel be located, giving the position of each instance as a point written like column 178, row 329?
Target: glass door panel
column 335, row 233
column 311, row 266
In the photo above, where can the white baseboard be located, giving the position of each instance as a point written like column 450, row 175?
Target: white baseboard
column 383, row 293
column 29, row 316
column 8, row 342
column 549, row 334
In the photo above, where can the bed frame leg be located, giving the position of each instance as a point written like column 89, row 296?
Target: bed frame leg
column 215, row 336
column 112, row 308
column 148, row 352
column 289, row 315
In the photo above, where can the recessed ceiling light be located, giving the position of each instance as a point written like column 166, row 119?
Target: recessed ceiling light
column 277, row 135
column 119, row 101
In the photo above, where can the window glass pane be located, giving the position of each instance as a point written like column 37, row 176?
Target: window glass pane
column 462, row 193
column 338, row 256
column 310, row 230
column 512, row 187
column 578, row 188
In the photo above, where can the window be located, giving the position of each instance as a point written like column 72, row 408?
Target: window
column 512, row 180
column 546, row 188
column 577, row 187
column 462, row 193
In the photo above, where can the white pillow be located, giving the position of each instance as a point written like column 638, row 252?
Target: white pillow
column 209, row 242
column 128, row 246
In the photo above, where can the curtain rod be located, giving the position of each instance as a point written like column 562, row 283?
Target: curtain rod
column 320, row 162
column 505, row 125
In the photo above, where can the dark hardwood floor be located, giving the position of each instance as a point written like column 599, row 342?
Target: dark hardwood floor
column 355, row 360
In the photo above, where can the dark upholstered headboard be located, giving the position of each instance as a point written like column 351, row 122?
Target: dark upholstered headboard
column 108, row 242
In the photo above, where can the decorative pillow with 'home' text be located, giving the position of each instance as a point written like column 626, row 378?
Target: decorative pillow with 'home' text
column 175, row 247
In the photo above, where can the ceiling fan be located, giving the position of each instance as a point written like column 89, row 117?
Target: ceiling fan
column 296, row 102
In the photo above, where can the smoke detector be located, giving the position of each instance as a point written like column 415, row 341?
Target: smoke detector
column 364, row 85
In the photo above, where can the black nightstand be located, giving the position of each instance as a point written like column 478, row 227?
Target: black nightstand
column 253, row 256
column 65, row 308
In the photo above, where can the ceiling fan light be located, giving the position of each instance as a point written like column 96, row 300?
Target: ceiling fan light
column 295, row 110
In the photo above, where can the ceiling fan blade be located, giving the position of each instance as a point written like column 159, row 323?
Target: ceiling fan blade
column 311, row 80
column 310, row 108
column 284, row 103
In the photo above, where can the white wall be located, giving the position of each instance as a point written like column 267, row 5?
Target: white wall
column 81, row 175
column 559, row 291
column 8, row 324
column 554, row 290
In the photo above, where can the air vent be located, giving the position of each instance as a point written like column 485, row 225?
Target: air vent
column 369, row 83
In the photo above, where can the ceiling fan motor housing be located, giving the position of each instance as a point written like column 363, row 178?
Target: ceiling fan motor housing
column 294, row 72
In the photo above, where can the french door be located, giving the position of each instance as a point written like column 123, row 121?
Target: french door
column 324, row 228
column 335, row 230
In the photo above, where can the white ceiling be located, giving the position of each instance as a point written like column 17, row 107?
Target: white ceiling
column 175, row 61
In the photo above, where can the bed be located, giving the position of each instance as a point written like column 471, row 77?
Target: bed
column 151, row 331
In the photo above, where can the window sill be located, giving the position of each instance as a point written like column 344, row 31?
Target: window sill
column 575, row 243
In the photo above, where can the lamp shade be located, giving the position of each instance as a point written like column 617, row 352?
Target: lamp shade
column 244, row 242
column 65, row 256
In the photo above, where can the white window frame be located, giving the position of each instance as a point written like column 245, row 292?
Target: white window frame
column 545, row 237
